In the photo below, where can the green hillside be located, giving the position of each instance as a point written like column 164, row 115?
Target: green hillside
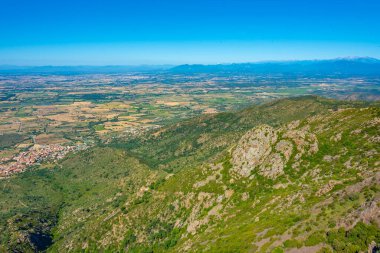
column 292, row 175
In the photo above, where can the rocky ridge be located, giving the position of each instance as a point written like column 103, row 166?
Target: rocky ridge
column 306, row 183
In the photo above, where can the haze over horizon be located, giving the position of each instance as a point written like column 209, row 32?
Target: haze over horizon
column 187, row 32
column 158, row 66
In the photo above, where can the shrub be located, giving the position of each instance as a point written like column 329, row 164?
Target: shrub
column 315, row 239
column 292, row 243
column 355, row 240
column 277, row 250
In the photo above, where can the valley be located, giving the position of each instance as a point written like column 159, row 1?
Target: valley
column 75, row 111
column 288, row 175
column 202, row 126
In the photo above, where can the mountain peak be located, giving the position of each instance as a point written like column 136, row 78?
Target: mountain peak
column 359, row 59
column 339, row 66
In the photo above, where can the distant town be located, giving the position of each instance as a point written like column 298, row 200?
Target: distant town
column 35, row 155
column 44, row 117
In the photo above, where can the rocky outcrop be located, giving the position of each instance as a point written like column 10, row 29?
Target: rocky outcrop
column 305, row 141
column 327, row 188
column 268, row 150
column 273, row 166
column 252, row 150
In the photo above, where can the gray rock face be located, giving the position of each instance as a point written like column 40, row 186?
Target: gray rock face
column 253, row 149
column 267, row 150
column 285, row 147
column 273, row 166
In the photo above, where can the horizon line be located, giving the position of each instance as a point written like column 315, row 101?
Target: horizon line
column 171, row 65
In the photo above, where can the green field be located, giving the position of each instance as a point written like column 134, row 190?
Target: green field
column 179, row 188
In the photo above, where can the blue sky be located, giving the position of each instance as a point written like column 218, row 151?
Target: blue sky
column 79, row 32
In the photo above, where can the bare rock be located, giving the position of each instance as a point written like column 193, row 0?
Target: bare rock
column 337, row 137
column 273, row 167
column 253, row 149
column 245, row 196
column 285, row 148
column 326, row 188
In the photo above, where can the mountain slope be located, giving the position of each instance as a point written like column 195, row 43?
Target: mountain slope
column 284, row 176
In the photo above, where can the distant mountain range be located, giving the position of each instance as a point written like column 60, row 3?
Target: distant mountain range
column 111, row 69
column 343, row 66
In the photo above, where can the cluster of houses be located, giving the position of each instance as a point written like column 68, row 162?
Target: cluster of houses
column 36, row 155
column 138, row 130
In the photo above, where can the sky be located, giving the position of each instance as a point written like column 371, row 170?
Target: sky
column 116, row 32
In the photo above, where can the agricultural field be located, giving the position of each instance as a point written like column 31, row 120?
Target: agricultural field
column 291, row 175
column 76, row 111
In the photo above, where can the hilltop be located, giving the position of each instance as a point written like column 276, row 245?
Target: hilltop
column 293, row 175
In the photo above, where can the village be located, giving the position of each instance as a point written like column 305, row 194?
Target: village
column 42, row 118
column 34, row 156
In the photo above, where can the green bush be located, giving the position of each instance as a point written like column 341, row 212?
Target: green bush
column 315, row 239
column 292, row 243
column 355, row 240
column 277, row 250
